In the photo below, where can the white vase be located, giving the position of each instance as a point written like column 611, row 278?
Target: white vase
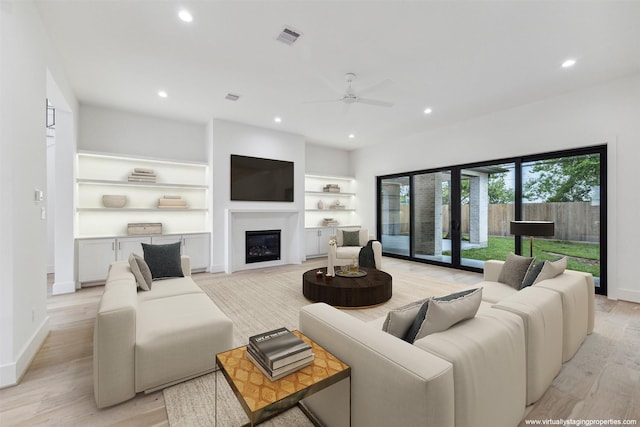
column 320, row 204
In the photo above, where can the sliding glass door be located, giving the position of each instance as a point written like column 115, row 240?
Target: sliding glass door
column 460, row 216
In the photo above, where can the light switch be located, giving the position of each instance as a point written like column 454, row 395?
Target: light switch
column 43, row 213
column 39, row 195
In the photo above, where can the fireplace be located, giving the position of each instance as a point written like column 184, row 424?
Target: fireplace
column 262, row 245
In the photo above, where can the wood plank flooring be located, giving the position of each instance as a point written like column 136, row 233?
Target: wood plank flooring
column 602, row 381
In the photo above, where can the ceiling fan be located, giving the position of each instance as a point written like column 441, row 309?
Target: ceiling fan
column 350, row 96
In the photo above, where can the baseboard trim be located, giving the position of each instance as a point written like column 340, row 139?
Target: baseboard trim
column 630, row 295
column 60, row 288
column 11, row 373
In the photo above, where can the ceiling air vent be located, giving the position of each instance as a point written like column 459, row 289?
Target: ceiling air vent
column 232, row 97
column 288, row 36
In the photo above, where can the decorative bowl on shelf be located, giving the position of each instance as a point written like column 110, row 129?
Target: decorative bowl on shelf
column 114, row 200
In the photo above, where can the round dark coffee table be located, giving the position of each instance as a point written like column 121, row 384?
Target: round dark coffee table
column 372, row 289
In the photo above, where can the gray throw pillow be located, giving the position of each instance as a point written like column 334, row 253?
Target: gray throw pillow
column 351, row 238
column 163, row 260
column 552, row 269
column 514, row 270
column 399, row 320
column 141, row 272
column 444, row 312
column 532, row 274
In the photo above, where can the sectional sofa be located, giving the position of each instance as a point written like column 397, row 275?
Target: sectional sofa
column 481, row 372
column 144, row 341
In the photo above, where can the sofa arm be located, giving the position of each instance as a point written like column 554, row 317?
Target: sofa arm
column 377, row 253
column 392, row 381
column 185, row 261
column 114, row 340
column 492, row 269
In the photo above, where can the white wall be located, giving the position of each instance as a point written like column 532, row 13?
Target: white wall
column 323, row 160
column 108, row 130
column 234, row 138
column 608, row 113
column 25, row 54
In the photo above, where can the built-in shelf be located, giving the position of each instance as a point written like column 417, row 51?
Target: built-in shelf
column 327, row 193
column 330, row 210
column 139, row 184
column 141, row 210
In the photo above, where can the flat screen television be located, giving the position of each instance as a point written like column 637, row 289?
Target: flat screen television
column 261, row 180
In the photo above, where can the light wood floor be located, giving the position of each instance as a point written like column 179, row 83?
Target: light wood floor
column 602, row 381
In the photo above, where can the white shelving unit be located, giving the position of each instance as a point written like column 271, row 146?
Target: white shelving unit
column 317, row 234
column 314, row 195
column 100, row 174
column 101, row 232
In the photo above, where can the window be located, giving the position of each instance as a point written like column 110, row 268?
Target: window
column 460, row 216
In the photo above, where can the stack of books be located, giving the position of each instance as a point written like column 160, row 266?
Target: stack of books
column 278, row 353
column 172, row 202
column 331, row 188
column 142, row 175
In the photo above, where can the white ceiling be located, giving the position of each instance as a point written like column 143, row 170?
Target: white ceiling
column 462, row 59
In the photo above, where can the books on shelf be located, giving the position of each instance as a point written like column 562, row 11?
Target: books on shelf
column 278, row 353
column 142, row 175
column 172, row 202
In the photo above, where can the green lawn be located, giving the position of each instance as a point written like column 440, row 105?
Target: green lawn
column 580, row 256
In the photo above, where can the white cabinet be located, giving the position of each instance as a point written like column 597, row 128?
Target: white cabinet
column 128, row 245
column 95, row 255
column 318, row 241
column 94, row 258
column 196, row 246
column 336, row 207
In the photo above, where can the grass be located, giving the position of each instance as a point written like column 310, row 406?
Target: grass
column 580, row 256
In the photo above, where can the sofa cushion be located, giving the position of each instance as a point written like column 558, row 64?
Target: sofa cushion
column 514, row 270
column 351, row 238
column 170, row 287
column 347, row 252
column 494, row 291
column 551, row 269
column 532, row 275
column 163, row 260
column 177, row 338
column 399, row 320
column 141, row 272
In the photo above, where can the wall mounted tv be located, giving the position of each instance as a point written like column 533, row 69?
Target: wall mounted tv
column 261, row 180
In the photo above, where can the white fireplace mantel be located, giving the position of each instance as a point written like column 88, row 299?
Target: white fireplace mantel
column 237, row 221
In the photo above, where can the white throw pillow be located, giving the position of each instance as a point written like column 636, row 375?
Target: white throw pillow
column 443, row 312
column 551, row 269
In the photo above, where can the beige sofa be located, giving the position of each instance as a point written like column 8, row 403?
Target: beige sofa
column 144, row 341
column 480, row 372
column 471, row 375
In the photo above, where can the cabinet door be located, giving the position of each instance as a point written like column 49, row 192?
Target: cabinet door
column 94, row 258
column 127, row 245
column 196, row 247
column 165, row 240
column 312, row 237
column 323, row 240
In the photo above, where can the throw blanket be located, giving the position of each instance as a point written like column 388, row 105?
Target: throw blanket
column 366, row 258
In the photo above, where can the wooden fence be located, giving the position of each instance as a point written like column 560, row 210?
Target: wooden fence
column 575, row 221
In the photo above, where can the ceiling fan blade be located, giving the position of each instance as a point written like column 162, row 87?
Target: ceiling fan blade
column 322, row 101
column 375, row 87
column 374, row 102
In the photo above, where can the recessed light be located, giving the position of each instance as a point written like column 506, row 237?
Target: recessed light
column 185, row 15
column 569, row 63
column 428, row 111
column 162, row 94
column 277, row 120
column 351, row 136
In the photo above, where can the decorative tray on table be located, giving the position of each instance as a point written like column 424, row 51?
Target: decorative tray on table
column 348, row 273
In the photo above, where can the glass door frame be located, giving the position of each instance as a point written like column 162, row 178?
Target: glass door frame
column 456, row 210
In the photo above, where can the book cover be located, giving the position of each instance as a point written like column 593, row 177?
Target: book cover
column 279, row 347
column 277, row 374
